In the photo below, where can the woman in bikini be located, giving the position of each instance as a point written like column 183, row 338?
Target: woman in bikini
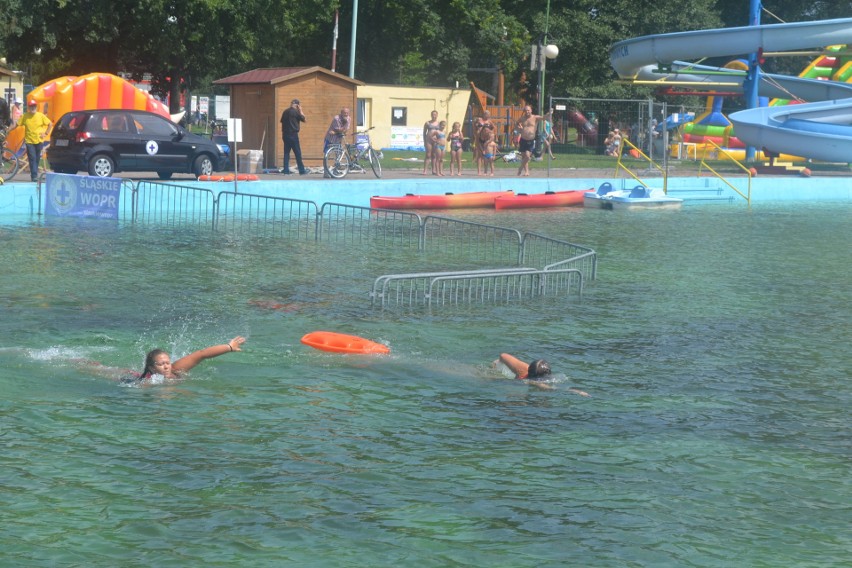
column 428, row 127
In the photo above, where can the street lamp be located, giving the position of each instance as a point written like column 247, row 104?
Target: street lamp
column 543, row 53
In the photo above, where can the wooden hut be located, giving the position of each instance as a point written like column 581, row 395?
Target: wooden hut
column 259, row 97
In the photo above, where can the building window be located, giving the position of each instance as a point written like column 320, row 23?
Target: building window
column 399, row 116
column 361, row 112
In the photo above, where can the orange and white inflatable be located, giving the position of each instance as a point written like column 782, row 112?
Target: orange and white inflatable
column 89, row 92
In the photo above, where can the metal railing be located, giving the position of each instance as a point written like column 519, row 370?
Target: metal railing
column 265, row 216
column 475, row 242
column 354, row 224
column 493, row 263
column 174, row 205
column 717, row 149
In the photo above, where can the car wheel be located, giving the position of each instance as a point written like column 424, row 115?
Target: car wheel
column 203, row 166
column 101, row 165
column 164, row 175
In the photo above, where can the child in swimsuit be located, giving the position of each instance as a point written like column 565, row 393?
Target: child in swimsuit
column 456, row 142
column 488, row 154
column 439, row 144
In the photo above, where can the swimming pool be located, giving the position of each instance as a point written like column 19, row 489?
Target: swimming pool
column 714, row 344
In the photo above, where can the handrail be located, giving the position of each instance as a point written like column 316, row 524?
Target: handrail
column 720, row 176
column 620, row 165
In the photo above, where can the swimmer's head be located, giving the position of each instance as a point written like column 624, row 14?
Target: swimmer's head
column 157, row 362
column 538, row 369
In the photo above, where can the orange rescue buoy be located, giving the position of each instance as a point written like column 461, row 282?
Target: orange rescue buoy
column 342, row 343
column 228, row 177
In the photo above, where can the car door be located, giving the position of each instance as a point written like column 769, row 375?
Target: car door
column 162, row 150
column 114, row 129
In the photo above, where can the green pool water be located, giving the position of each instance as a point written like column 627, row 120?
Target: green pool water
column 714, row 343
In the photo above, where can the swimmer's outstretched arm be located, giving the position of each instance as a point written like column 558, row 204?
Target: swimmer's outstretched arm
column 188, row 362
column 516, row 365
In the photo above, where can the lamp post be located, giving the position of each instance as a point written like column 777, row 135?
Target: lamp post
column 545, row 52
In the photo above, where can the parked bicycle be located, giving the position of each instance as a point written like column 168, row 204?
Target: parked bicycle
column 340, row 159
column 8, row 159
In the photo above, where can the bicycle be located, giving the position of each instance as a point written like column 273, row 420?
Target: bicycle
column 8, row 159
column 340, row 159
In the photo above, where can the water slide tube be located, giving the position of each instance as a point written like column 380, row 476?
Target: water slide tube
column 819, row 130
column 587, row 132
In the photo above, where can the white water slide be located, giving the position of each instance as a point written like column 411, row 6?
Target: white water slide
column 820, row 129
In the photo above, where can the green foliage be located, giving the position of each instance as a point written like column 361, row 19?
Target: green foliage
column 415, row 42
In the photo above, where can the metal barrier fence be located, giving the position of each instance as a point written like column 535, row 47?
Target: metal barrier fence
column 354, row 224
column 474, row 242
column 174, row 205
column 264, row 216
column 494, row 263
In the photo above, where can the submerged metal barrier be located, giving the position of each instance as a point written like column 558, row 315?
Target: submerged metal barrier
column 496, row 263
column 174, row 205
column 264, row 216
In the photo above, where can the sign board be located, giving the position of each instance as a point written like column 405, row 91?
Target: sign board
column 204, row 105
column 223, row 107
column 406, row 138
column 81, row 196
column 235, row 130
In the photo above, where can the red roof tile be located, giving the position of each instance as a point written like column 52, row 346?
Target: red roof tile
column 263, row 75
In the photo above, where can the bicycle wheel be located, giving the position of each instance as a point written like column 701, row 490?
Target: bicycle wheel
column 375, row 163
column 336, row 161
column 8, row 164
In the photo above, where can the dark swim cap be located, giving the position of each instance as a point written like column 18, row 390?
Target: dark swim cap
column 538, row 368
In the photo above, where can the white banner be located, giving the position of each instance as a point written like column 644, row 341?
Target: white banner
column 407, row 137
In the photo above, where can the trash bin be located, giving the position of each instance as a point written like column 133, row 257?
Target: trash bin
column 249, row 161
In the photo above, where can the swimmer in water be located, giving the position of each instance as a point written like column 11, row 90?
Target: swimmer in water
column 537, row 371
column 158, row 362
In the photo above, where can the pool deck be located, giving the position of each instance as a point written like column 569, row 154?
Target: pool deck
column 18, row 196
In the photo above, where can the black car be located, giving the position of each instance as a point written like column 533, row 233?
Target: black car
column 103, row 142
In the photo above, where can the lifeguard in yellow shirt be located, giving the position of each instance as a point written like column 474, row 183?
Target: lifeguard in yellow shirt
column 36, row 130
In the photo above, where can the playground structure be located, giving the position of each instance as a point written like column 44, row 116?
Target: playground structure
column 833, row 65
column 816, row 130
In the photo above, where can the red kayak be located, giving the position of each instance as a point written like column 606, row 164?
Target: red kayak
column 445, row 201
column 549, row 199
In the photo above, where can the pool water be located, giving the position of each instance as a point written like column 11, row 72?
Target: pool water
column 714, row 344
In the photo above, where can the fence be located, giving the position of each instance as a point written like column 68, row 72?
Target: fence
column 581, row 125
column 490, row 263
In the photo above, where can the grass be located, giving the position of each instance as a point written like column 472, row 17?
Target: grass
column 402, row 160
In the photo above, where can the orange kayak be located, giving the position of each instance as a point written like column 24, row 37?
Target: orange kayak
column 445, row 201
column 342, row 343
column 549, row 199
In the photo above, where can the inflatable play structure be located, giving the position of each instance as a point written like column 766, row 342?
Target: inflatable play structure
column 713, row 125
column 89, row 92
column 820, row 128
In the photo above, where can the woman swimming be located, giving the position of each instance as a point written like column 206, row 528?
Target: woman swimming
column 536, row 372
column 158, row 362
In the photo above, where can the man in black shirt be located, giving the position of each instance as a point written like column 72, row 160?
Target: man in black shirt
column 290, row 124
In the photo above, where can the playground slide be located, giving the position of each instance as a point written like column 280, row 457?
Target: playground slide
column 819, row 130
